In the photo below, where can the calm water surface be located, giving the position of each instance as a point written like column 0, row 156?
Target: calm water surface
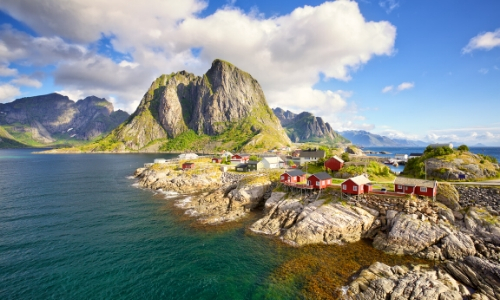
column 73, row 226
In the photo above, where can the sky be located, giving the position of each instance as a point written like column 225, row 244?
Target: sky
column 426, row 70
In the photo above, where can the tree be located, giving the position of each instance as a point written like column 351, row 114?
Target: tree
column 463, row 148
column 345, row 157
column 255, row 158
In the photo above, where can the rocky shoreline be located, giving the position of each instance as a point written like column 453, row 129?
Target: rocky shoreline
column 460, row 231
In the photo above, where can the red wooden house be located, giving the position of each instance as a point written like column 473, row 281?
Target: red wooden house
column 334, row 163
column 240, row 158
column 216, row 160
column 187, row 165
column 357, row 185
column 319, row 180
column 293, row 176
column 427, row 188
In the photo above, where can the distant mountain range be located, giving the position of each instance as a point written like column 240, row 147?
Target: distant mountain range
column 54, row 120
column 366, row 139
column 305, row 127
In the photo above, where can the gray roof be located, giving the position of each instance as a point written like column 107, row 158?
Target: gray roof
column 242, row 166
column 317, row 153
column 253, row 162
column 322, row 175
column 415, row 182
column 295, row 173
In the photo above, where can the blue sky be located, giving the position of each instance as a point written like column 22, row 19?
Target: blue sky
column 427, row 70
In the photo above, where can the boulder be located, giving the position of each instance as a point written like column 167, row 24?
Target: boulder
column 408, row 235
column 448, row 195
column 329, row 224
column 379, row 281
column 480, row 274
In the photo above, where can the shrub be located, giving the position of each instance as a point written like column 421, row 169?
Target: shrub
column 463, row 148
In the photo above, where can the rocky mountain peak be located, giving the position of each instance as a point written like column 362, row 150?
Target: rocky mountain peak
column 306, row 127
column 223, row 98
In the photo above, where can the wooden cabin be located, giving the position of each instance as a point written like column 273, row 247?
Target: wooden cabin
column 319, row 180
column 187, row 165
column 216, row 160
column 427, row 188
column 293, row 176
column 334, row 163
column 357, row 185
column 255, row 165
column 240, row 158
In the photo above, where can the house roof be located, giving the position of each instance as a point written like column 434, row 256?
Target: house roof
column 359, row 180
column 415, row 182
column 295, row 173
column 400, row 154
column 337, row 158
column 273, row 159
column 253, row 162
column 188, row 163
column 242, row 165
column 312, row 153
column 322, row 175
column 415, row 154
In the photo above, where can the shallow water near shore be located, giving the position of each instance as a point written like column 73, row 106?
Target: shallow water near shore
column 74, row 226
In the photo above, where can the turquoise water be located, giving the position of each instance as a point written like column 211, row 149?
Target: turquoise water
column 75, row 227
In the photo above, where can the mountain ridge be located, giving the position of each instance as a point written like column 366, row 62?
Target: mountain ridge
column 367, row 139
column 305, row 127
column 53, row 120
column 225, row 108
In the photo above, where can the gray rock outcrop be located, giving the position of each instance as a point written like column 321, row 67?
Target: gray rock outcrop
column 299, row 222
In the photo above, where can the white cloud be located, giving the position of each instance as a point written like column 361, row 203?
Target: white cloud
column 405, row 86
column 8, row 92
column 26, row 81
column 483, row 71
column 5, row 71
column 387, row 89
column 388, row 5
column 284, row 53
column 483, row 41
column 74, row 95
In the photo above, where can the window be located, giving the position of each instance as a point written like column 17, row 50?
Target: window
column 423, row 189
column 355, row 188
column 282, row 177
column 317, row 183
column 399, row 187
column 308, row 182
column 344, row 187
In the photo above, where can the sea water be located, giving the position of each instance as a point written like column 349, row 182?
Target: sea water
column 77, row 227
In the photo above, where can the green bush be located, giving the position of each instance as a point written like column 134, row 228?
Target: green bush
column 463, row 148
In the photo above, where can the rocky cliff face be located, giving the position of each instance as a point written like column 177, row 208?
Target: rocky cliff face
column 305, row 127
column 226, row 102
column 47, row 119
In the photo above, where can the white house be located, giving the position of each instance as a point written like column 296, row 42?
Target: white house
column 310, row 155
column 160, row 161
column 188, row 156
column 273, row 162
column 401, row 157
